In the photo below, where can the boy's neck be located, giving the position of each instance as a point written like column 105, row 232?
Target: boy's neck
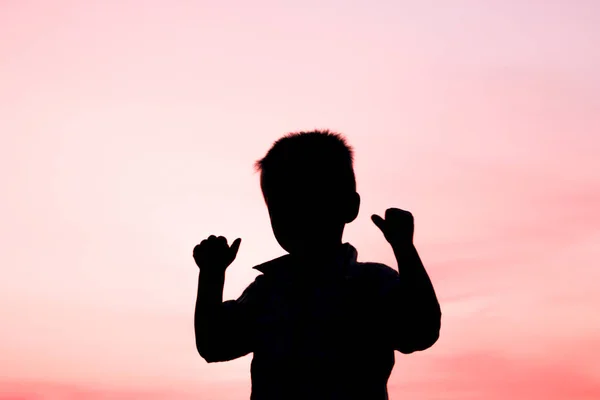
column 321, row 256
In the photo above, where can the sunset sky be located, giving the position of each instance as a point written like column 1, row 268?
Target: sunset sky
column 129, row 130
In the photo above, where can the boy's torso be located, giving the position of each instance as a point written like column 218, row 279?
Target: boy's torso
column 323, row 335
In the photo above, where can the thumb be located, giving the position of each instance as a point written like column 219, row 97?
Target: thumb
column 235, row 246
column 378, row 221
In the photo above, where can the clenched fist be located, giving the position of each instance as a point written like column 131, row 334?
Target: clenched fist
column 214, row 254
column 398, row 227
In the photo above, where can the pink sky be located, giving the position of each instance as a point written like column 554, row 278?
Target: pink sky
column 129, row 132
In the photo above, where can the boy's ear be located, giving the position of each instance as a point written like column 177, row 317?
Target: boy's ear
column 353, row 206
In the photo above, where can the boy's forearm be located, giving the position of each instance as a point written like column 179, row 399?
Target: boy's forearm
column 210, row 294
column 416, row 287
column 410, row 267
column 208, row 302
column 210, row 288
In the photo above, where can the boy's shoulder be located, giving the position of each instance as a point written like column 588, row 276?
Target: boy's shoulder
column 372, row 269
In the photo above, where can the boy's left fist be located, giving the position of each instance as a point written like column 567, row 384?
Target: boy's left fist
column 215, row 255
column 398, row 227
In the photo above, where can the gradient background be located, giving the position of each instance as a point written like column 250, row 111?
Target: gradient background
column 129, row 132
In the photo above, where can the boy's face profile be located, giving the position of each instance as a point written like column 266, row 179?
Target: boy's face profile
column 308, row 215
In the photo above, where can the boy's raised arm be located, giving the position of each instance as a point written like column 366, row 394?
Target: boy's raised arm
column 415, row 314
column 220, row 327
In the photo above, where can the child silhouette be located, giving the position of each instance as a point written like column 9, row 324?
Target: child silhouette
column 320, row 324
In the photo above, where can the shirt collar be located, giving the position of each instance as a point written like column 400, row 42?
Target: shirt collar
column 348, row 255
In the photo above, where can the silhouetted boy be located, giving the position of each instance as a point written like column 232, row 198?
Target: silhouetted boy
column 321, row 324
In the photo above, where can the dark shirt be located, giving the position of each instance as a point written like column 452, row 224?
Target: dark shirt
column 326, row 334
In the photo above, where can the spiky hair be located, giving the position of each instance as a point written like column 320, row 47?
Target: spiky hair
column 319, row 155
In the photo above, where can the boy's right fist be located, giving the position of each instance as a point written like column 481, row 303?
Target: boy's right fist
column 214, row 254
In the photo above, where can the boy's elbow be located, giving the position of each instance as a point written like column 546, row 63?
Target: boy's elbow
column 431, row 333
column 429, row 338
column 220, row 350
column 208, row 353
column 420, row 344
column 202, row 351
column 423, row 339
column 208, row 349
column 210, row 358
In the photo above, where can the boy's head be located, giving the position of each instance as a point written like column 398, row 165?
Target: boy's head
column 308, row 183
